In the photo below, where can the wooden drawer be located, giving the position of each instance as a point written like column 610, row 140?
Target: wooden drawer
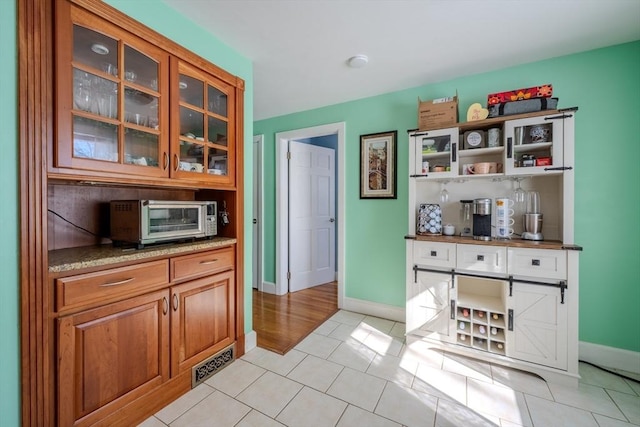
column 101, row 287
column 202, row 264
column 481, row 258
column 543, row 263
column 434, row 254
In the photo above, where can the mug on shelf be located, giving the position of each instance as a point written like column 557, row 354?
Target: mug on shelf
column 504, row 207
column 504, row 232
column 481, row 168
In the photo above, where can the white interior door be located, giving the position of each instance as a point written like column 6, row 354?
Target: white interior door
column 311, row 216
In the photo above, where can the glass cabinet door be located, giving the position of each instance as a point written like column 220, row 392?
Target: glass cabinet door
column 534, row 145
column 203, row 145
column 436, row 153
column 114, row 99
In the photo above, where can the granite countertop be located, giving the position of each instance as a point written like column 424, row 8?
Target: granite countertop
column 514, row 243
column 69, row 259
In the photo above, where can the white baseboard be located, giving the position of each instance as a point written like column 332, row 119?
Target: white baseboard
column 250, row 341
column 609, row 357
column 369, row 308
column 269, row 288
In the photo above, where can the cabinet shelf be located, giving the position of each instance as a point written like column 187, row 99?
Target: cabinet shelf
column 472, row 152
column 536, row 146
column 480, row 302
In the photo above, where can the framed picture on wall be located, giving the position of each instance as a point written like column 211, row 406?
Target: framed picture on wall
column 378, row 165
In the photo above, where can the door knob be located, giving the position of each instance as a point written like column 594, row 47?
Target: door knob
column 255, row 221
column 332, row 220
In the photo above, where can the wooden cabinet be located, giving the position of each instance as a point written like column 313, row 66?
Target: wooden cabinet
column 112, row 98
column 128, row 110
column 96, row 105
column 98, row 288
column 202, row 320
column 202, row 125
column 486, row 259
column 530, row 144
column 537, row 325
column 123, row 332
column 535, row 145
column 430, row 301
column 491, row 301
column 550, row 264
column 436, row 152
column 508, row 301
column 110, row 356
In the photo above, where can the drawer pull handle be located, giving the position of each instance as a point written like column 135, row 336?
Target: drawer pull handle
column 480, row 257
column 213, row 261
column 119, row 282
column 535, row 262
column 165, row 305
column 175, row 302
column 434, row 253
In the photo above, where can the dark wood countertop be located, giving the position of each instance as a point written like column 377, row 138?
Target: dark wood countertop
column 513, row 243
column 71, row 259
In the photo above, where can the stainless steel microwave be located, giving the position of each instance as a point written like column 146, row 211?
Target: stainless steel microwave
column 144, row 222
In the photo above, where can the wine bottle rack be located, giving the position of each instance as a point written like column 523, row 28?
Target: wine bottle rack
column 481, row 329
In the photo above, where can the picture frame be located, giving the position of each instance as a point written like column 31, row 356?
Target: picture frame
column 378, row 165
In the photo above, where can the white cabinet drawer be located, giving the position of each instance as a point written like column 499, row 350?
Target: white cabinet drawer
column 544, row 263
column 486, row 259
column 434, row 254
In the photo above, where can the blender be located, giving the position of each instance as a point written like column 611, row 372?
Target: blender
column 465, row 217
column 532, row 219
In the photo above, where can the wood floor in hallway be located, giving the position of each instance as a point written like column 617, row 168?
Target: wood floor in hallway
column 283, row 321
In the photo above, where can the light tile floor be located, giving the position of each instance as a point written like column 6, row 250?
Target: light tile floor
column 356, row 370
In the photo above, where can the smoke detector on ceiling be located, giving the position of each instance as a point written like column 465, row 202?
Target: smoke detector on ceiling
column 358, row 61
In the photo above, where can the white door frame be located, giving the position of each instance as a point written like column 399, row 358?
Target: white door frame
column 282, row 201
column 258, row 141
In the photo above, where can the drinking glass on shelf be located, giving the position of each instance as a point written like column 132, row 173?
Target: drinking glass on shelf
column 444, row 194
column 518, row 193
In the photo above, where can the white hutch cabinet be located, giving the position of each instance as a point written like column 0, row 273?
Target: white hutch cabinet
column 513, row 302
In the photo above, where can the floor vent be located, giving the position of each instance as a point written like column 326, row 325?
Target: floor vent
column 201, row 372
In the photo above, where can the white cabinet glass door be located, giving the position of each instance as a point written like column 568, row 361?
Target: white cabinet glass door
column 436, row 153
column 534, row 145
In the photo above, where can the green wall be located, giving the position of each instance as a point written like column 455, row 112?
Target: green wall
column 603, row 83
column 9, row 317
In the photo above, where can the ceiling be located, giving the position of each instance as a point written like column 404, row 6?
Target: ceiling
column 299, row 48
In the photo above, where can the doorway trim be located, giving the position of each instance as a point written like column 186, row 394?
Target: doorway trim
column 258, row 237
column 282, row 201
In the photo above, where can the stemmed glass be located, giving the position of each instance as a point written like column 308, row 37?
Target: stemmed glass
column 444, row 194
column 518, row 193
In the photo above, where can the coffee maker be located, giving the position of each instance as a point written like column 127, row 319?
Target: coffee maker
column 482, row 219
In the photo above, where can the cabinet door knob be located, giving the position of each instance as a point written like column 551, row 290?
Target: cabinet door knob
column 175, row 302
column 176, row 162
column 165, row 305
column 165, row 162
